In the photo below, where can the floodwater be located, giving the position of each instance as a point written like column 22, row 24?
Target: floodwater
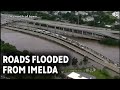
column 34, row 44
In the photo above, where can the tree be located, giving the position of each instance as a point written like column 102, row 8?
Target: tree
column 116, row 27
column 80, row 63
column 7, row 48
column 90, row 23
column 85, row 60
column 25, row 52
column 105, row 72
column 102, row 18
column 116, row 77
column 2, row 42
column 66, row 16
column 73, row 12
column 74, row 61
column 51, row 12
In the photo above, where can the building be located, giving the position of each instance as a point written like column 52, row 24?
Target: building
column 81, row 75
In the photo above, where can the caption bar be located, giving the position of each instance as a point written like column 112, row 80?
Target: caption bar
column 30, row 69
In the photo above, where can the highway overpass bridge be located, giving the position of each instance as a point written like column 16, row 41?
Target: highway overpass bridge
column 66, row 29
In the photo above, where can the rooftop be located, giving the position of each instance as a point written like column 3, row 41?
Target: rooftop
column 81, row 75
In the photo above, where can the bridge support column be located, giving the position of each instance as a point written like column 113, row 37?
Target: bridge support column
column 63, row 31
column 27, row 24
column 82, row 32
column 34, row 23
column 47, row 27
column 92, row 34
column 72, row 32
column 40, row 26
column 55, row 29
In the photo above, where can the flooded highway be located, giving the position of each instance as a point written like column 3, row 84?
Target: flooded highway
column 35, row 44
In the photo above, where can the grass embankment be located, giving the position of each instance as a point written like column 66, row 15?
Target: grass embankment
column 110, row 42
column 101, row 74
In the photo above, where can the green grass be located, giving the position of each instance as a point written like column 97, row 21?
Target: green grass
column 100, row 74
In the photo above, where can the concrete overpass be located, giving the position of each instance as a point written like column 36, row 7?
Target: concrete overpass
column 67, row 28
column 73, row 30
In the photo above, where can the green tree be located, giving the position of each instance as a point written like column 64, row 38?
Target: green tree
column 25, row 52
column 85, row 60
column 116, row 77
column 74, row 61
column 117, row 27
column 102, row 18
